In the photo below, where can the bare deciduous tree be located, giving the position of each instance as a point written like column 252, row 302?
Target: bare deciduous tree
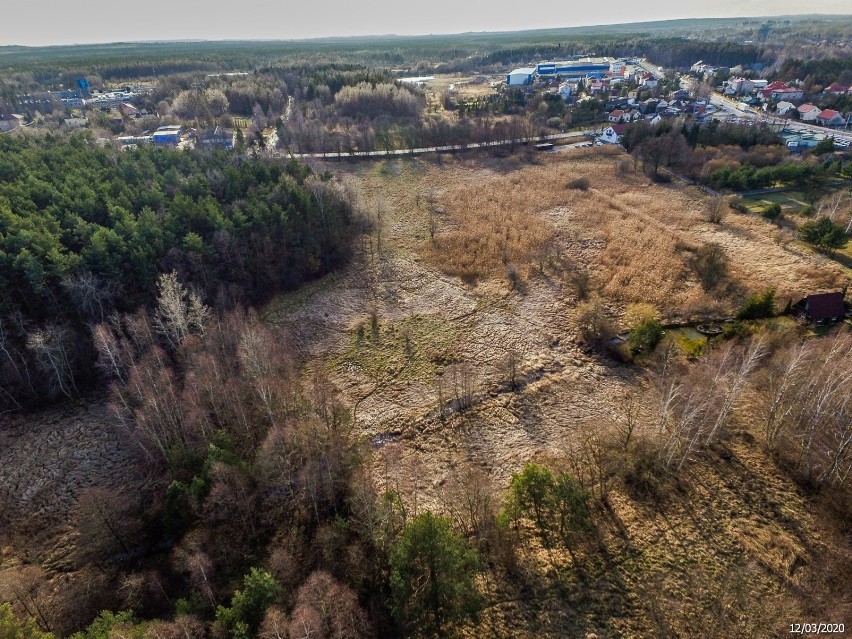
column 52, row 348
column 179, row 313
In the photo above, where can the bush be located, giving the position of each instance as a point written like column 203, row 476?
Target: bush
column 772, row 211
column 716, row 210
column 710, row 264
column 758, row 306
column 645, row 336
column 594, row 326
column 580, row 183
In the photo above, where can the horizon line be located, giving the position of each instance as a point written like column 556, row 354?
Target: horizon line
column 331, row 38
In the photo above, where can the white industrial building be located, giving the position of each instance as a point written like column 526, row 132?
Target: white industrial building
column 520, row 77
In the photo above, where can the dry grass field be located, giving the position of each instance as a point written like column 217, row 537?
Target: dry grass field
column 482, row 252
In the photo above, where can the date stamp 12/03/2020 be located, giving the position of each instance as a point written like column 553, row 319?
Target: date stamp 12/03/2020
column 817, row 628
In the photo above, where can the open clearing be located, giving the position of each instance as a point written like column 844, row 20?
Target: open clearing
column 399, row 318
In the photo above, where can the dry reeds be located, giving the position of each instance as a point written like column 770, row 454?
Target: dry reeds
column 497, row 226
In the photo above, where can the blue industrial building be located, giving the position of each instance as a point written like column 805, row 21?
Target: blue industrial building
column 573, row 68
column 566, row 70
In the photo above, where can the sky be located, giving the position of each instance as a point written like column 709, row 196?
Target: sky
column 86, row 21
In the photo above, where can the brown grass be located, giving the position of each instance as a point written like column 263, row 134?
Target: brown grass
column 496, row 228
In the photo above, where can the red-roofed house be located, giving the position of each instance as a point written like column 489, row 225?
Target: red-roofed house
column 772, row 86
column 830, row 117
column 613, row 134
column 648, row 81
column 808, row 112
column 837, row 89
column 617, row 116
column 787, row 93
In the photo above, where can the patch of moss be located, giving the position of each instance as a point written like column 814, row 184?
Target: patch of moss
column 411, row 349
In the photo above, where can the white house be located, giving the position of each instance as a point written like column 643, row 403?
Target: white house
column 566, row 90
column 613, row 134
column 648, row 80
column 808, row 112
column 787, row 93
column 617, row 116
column 783, row 108
column 520, row 77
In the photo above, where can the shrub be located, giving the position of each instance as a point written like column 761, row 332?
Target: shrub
column 716, row 210
column 710, row 264
column 580, row 183
column 645, row 336
column 772, row 211
column 594, row 326
column 758, row 306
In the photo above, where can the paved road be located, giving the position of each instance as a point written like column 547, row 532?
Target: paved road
column 440, row 149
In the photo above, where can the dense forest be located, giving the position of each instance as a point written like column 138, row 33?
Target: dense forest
column 85, row 231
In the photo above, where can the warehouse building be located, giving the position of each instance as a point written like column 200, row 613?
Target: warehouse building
column 585, row 67
column 520, row 77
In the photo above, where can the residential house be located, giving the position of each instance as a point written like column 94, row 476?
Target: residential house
column 648, row 81
column 788, row 94
column 613, row 134
column 219, row 137
column 595, row 86
column 649, row 105
column 808, row 112
column 617, row 116
column 822, row 308
column 738, row 86
column 830, row 117
column 9, row 121
column 566, row 90
column 837, row 89
column 783, row 108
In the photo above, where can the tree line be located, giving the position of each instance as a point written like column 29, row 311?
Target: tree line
column 85, row 231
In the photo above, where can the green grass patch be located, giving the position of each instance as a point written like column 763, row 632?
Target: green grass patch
column 790, row 201
column 689, row 341
column 415, row 348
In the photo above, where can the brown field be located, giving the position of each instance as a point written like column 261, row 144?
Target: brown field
column 635, row 238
